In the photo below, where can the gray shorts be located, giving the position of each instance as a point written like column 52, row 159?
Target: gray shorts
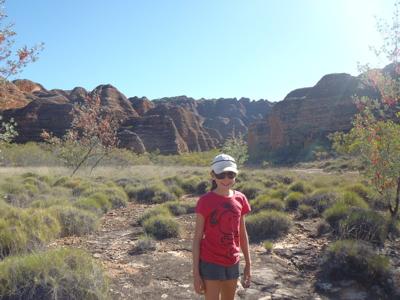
column 210, row 271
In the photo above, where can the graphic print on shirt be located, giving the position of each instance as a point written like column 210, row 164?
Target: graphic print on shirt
column 227, row 221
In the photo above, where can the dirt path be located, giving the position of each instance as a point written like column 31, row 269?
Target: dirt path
column 165, row 273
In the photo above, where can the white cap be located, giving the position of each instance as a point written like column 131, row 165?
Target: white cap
column 224, row 163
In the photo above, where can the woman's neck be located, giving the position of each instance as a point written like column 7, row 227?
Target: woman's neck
column 223, row 192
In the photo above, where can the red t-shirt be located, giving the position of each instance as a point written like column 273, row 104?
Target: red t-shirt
column 220, row 244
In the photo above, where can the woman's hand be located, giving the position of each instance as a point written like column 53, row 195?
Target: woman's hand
column 198, row 284
column 246, row 276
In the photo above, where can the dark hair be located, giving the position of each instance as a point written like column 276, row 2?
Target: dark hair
column 213, row 185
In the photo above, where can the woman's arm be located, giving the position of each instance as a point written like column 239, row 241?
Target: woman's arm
column 198, row 235
column 244, row 245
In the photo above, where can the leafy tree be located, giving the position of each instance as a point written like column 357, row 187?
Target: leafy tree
column 12, row 60
column 7, row 131
column 375, row 135
column 93, row 135
column 237, row 147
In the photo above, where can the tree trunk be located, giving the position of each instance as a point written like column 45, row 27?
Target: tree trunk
column 394, row 210
column 98, row 161
column 83, row 159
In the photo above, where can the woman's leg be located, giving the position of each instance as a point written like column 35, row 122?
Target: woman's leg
column 228, row 289
column 212, row 289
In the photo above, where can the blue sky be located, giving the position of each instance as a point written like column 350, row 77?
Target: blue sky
column 208, row 48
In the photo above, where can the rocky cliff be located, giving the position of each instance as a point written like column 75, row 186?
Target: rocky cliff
column 170, row 125
column 285, row 131
column 294, row 127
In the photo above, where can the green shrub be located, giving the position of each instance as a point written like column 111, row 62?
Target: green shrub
column 178, row 208
column 12, row 186
column 268, row 245
column 360, row 189
column 335, row 214
column 49, row 202
column 131, row 190
column 306, row 211
column 155, row 193
column 102, row 200
column 83, row 189
column 265, row 202
column 279, row 194
column 251, row 190
column 266, row 225
column 270, row 183
column 162, row 197
column 156, row 211
column 30, row 189
column 353, row 199
column 40, row 182
column 68, row 182
column 362, row 224
column 116, row 196
column 97, row 205
column 56, row 274
column 23, row 230
column 284, row 179
column 127, row 182
column 298, row 186
column 176, row 190
column 171, row 181
column 75, row 221
column 320, row 200
column 356, row 260
column 190, row 185
column 293, row 200
column 161, row 227
column 18, row 200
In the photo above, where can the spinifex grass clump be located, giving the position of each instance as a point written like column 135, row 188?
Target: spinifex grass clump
column 178, row 208
column 56, row 274
column 23, row 230
column 156, row 211
column 251, row 189
column 193, row 185
column 305, row 211
column 168, row 209
column 347, row 259
column 75, row 221
column 162, row 227
column 335, row 214
column 293, row 200
column 299, row 186
column 97, row 203
column 320, row 199
column 263, row 202
column 267, row 225
column 153, row 193
column 21, row 190
column 341, row 209
column 268, row 245
column 364, row 224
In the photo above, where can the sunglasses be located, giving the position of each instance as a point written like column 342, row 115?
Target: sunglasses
column 231, row 175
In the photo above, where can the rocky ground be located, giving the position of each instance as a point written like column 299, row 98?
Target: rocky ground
column 289, row 271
